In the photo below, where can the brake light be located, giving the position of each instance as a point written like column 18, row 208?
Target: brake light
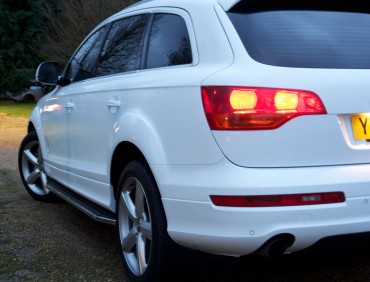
column 279, row 200
column 252, row 108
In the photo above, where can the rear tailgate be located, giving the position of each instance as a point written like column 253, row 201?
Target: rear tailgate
column 326, row 52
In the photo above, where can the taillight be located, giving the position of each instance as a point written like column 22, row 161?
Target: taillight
column 278, row 200
column 252, row 108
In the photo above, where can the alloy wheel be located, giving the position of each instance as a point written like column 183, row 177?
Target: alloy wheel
column 135, row 226
column 32, row 166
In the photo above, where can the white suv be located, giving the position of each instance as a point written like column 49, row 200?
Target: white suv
column 227, row 126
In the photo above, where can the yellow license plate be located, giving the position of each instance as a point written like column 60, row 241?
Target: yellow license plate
column 361, row 126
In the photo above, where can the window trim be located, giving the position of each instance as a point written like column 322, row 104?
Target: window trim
column 145, row 41
column 140, row 53
column 189, row 25
column 149, row 32
column 145, row 45
column 68, row 81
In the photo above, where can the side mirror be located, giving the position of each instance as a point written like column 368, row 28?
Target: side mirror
column 47, row 73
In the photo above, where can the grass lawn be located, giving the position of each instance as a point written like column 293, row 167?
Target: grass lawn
column 12, row 109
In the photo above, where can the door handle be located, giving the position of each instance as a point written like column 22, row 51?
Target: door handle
column 69, row 107
column 114, row 104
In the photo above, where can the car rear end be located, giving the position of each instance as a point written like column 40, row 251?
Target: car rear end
column 292, row 117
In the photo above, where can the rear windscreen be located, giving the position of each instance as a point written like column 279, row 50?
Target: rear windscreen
column 305, row 38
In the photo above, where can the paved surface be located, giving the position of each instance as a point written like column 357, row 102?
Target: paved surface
column 56, row 242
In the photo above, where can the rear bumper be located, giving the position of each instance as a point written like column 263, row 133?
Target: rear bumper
column 194, row 222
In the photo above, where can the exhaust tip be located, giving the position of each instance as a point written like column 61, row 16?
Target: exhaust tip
column 276, row 246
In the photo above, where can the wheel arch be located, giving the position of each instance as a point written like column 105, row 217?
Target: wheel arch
column 124, row 153
column 30, row 127
column 135, row 139
column 29, row 97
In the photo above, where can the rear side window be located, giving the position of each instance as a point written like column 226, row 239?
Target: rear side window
column 121, row 52
column 169, row 42
column 305, row 38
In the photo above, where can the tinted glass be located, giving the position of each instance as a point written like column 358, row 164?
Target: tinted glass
column 308, row 39
column 121, row 52
column 82, row 64
column 169, row 42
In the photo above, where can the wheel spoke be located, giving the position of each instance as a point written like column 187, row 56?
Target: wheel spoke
column 44, row 180
column 146, row 229
column 130, row 240
column 140, row 251
column 139, row 201
column 33, row 177
column 30, row 157
column 128, row 205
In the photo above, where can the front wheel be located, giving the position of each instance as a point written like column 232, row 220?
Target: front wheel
column 141, row 224
column 31, row 169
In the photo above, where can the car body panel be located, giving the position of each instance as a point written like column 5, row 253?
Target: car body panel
column 195, row 222
column 295, row 143
column 57, row 125
column 86, row 169
column 227, row 4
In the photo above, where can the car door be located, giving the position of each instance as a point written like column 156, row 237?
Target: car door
column 99, row 103
column 58, row 110
column 57, row 122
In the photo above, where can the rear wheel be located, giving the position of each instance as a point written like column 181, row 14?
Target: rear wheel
column 31, row 169
column 141, row 224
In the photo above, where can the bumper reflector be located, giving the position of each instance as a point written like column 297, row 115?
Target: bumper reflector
column 278, row 200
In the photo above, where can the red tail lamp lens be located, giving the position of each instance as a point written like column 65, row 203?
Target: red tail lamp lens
column 279, row 200
column 244, row 108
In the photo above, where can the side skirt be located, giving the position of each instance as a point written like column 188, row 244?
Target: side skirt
column 91, row 209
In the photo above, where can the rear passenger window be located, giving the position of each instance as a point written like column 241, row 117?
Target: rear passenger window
column 169, row 42
column 121, row 52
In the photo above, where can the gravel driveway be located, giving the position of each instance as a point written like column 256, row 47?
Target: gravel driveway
column 47, row 242
column 56, row 242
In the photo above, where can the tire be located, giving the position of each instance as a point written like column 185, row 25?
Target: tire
column 29, row 98
column 141, row 224
column 31, row 169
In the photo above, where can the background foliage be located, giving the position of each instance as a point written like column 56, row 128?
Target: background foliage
column 32, row 31
column 21, row 23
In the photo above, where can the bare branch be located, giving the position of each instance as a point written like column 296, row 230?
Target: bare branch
column 72, row 21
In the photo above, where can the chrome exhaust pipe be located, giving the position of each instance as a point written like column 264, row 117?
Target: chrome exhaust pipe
column 276, row 246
